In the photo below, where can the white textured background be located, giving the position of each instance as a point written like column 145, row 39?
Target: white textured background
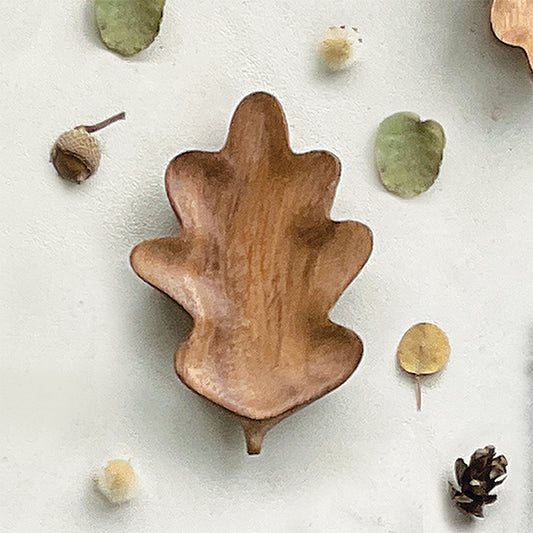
column 86, row 348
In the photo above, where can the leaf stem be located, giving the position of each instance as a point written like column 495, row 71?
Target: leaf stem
column 104, row 123
column 418, row 392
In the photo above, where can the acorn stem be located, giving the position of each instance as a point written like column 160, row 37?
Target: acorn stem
column 418, row 393
column 104, row 123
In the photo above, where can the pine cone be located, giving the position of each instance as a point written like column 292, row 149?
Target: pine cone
column 477, row 480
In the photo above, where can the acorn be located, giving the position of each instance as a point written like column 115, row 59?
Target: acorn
column 76, row 154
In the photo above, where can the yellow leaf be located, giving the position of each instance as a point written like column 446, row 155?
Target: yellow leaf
column 424, row 349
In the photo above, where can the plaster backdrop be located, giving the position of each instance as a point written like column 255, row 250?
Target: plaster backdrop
column 87, row 348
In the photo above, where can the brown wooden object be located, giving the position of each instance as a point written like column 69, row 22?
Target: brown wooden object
column 258, row 264
column 512, row 23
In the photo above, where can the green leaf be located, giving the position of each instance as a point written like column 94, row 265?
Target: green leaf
column 409, row 153
column 128, row 26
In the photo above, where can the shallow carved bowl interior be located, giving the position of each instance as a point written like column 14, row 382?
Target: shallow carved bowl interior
column 258, row 264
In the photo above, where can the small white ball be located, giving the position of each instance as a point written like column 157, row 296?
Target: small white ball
column 337, row 47
column 117, row 481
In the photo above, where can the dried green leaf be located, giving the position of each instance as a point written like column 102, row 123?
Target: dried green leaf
column 128, row 26
column 409, row 153
column 424, row 349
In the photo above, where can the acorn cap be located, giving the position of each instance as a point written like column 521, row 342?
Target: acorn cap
column 76, row 155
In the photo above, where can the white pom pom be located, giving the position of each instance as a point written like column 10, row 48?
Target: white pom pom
column 117, row 481
column 337, row 47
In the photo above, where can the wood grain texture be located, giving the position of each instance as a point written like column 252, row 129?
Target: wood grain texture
column 258, row 264
column 512, row 23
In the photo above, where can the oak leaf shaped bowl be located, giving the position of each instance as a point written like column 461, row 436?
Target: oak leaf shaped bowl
column 258, row 264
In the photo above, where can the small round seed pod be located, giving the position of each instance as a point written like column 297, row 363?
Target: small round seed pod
column 337, row 47
column 117, row 481
column 76, row 154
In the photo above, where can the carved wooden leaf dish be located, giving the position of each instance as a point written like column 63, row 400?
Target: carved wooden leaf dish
column 512, row 23
column 258, row 264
